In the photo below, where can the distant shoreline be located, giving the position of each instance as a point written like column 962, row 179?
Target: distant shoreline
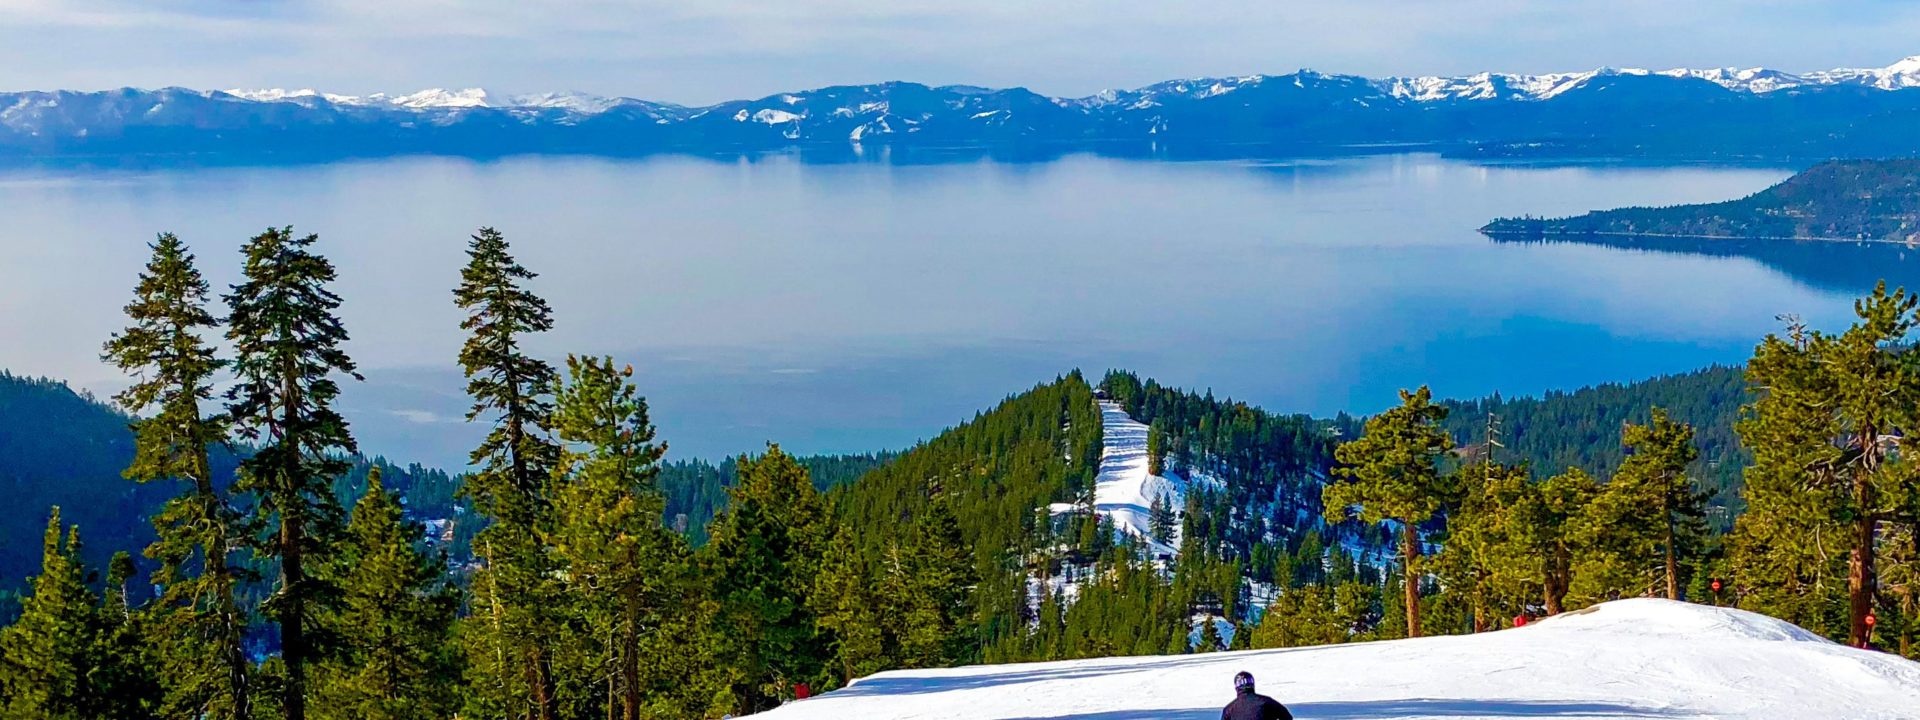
column 1554, row 234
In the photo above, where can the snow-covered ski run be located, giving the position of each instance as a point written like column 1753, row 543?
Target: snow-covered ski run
column 1625, row 659
column 1124, row 491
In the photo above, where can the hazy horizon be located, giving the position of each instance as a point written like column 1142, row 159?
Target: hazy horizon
column 697, row 54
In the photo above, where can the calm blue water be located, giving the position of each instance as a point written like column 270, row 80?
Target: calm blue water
column 865, row 306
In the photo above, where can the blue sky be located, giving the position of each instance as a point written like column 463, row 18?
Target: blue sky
column 698, row 51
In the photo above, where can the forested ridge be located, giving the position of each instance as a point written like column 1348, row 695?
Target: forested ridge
column 568, row 574
column 59, row 446
column 1581, row 428
column 1834, row 200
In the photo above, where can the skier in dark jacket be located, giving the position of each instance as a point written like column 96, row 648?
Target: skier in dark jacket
column 1250, row 705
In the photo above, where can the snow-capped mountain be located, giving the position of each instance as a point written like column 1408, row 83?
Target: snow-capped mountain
column 1509, row 86
column 1605, row 111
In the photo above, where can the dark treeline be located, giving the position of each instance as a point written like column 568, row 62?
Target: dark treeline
column 1581, row 429
column 1837, row 199
column 63, row 447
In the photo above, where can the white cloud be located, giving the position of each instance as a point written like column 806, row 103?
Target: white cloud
column 708, row 50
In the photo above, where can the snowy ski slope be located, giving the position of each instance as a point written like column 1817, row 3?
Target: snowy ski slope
column 1626, row 659
column 1124, row 490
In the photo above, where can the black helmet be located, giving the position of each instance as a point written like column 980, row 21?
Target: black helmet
column 1243, row 682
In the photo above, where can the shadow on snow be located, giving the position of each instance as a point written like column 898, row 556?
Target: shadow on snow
column 1407, row 708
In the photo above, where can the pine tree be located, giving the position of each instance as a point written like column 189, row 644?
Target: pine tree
column 48, row 651
column 395, row 622
column 846, row 603
column 513, row 630
column 936, row 614
column 619, row 559
column 69, row 656
column 1209, row 635
column 286, row 340
column 1161, row 520
column 1479, row 556
column 1825, row 477
column 1392, row 473
column 1156, row 450
column 164, row 348
column 1299, row 617
column 1542, row 526
column 1655, row 477
column 125, row 680
column 762, row 557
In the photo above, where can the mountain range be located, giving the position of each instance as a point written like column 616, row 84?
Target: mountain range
column 1724, row 113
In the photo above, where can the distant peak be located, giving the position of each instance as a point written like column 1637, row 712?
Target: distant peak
column 1907, row 65
column 440, row 97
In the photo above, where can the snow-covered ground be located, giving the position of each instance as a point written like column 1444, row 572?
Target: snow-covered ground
column 1625, row 659
column 1124, row 490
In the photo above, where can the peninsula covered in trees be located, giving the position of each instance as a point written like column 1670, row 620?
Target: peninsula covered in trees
column 1854, row 200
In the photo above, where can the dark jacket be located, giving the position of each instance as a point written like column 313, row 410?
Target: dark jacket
column 1254, row 706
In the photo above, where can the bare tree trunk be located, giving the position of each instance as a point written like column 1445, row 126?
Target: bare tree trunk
column 630, row 645
column 217, row 549
column 293, row 574
column 1479, row 604
column 293, row 635
column 1860, row 570
column 1410, row 551
column 540, row 678
column 1673, row 562
column 1554, row 585
column 1860, row 575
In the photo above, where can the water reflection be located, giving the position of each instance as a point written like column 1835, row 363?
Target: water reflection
column 1842, row 267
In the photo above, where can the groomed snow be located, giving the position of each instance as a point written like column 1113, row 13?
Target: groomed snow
column 1124, row 490
column 1625, row 659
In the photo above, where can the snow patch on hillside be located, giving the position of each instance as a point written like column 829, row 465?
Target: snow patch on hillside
column 1625, row 659
column 1124, row 491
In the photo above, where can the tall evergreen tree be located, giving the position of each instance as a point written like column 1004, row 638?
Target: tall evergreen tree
column 1825, row 467
column 1542, row 526
column 395, row 624
column 847, row 602
column 514, row 631
column 126, row 679
column 1654, row 479
column 1479, row 555
column 937, row 603
column 49, row 651
column 166, row 351
column 286, row 340
column 763, row 557
column 1392, row 473
column 619, row 560
column 509, row 388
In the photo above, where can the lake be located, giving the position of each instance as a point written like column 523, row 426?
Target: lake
column 866, row 305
